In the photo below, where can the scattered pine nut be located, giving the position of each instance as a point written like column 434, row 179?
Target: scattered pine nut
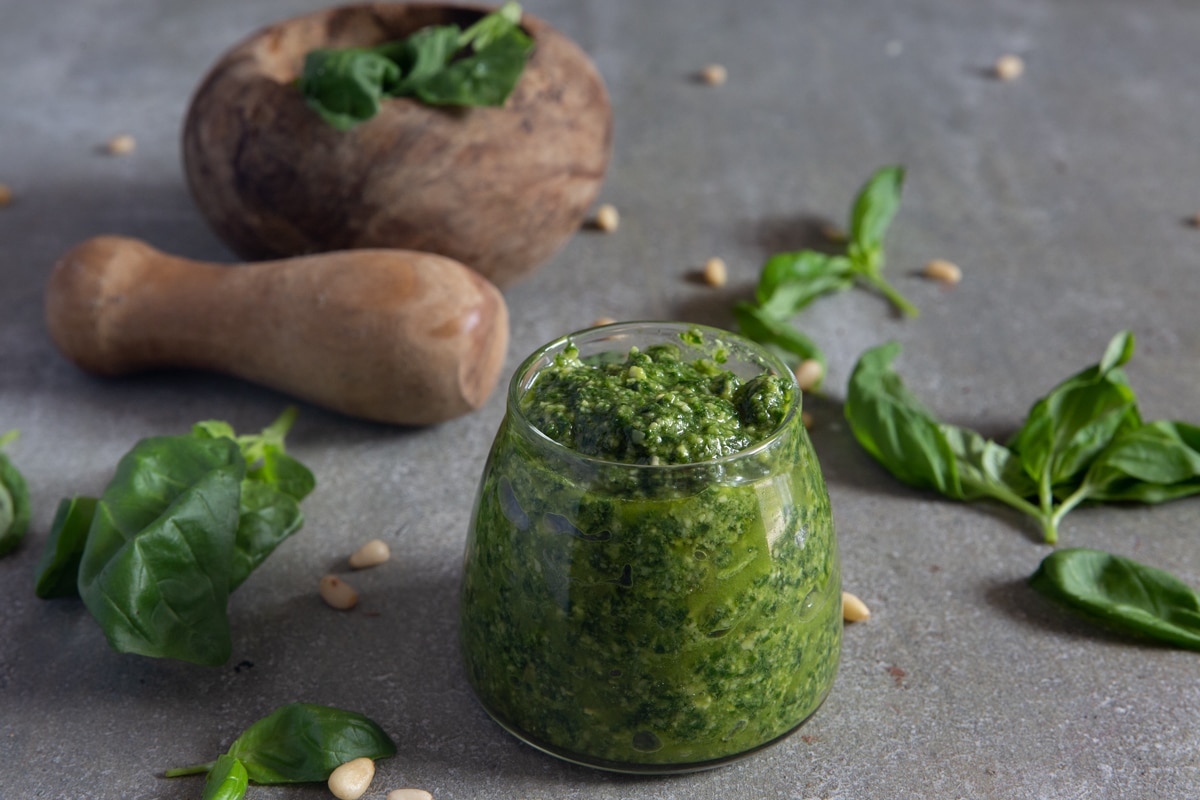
column 833, row 233
column 337, row 593
column 607, row 218
column 715, row 273
column 714, row 74
column 1009, row 67
column 806, row 418
column 598, row 321
column 809, row 373
column 941, row 270
column 1194, row 220
column 6, row 195
column 853, row 609
column 121, row 145
column 409, row 794
column 350, row 780
column 371, row 554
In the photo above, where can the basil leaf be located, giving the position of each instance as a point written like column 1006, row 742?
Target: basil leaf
column 58, row 567
column 1157, row 462
column 155, row 571
column 485, row 78
column 904, row 436
column 421, row 56
column 303, row 742
column 15, row 507
column 874, row 208
column 346, row 86
column 266, row 516
column 756, row 325
column 1122, row 594
column 1077, row 420
column 790, row 281
column 492, row 27
column 227, row 780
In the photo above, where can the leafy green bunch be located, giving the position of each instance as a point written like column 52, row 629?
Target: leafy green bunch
column 296, row 743
column 438, row 65
column 183, row 523
column 1083, row 442
column 14, row 500
column 790, row 282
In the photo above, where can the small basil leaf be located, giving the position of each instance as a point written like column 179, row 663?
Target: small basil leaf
column 756, row 325
column 58, row 567
column 1122, row 594
column 345, row 86
column 791, row 281
column 485, row 78
column 1078, row 419
column 303, row 742
column 1157, row 462
column 227, row 780
column 15, row 506
column 874, row 208
column 155, row 571
column 491, row 27
column 420, row 57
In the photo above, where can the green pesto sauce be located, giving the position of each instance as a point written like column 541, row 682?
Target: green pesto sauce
column 641, row 619
column 653, row 407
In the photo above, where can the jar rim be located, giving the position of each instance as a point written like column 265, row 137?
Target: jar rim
column 522, row 381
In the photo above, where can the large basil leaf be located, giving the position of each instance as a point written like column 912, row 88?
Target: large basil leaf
column 1122, row 594
column 58, row 567
column 346, row 86
column 227, row 780
column 1157, row 462
column 485, row 78
column 156, row 569
column 15, row 507
column 304, row 742
column 1070, row 426
column 790, row 281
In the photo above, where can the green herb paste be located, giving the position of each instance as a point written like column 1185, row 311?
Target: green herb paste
column 650, row 618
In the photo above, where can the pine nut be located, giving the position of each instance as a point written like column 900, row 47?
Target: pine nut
column 598, row 321
column 806, row 418
column 853, row 609
column 121, row 145
column 715, row 272
column 833, row 233
column 607, row 218
column 809, row 373
column 1009, row 67
column 350, row 780
column 371, row 554
column 714, row 74
column 1194, row 221
column 409, row 794
column 945, row 271
column 6, row 195
column 337, row 593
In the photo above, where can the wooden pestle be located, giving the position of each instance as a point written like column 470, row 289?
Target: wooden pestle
column 396, row 336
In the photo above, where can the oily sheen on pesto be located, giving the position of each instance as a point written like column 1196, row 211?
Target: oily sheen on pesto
column 651, row 581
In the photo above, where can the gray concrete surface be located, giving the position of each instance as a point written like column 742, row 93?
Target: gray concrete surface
column 1063, row 195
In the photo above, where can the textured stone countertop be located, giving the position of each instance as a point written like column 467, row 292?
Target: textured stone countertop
column 1064, row 195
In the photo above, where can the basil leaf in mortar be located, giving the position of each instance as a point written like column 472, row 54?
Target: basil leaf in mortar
column 1122, row 594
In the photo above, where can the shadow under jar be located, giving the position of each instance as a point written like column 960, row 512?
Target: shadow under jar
column 651, row 617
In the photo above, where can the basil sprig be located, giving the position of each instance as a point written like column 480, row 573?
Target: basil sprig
column 1122, row 594
column 438, row 65
column 1084, row 441
column 183, row 523
column 790, row 282
column 14, row 501
column 296, row 743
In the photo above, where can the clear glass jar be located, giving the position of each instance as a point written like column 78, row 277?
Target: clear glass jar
column 651, row 618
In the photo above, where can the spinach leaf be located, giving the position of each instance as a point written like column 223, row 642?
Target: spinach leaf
column 1122, row 594
column 58, row 567
column 156, row 567
column 438, row 65
column 15, row 508
column 227, row 780
column 300, row 743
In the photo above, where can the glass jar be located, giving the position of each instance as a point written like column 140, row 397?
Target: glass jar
column 651, row 618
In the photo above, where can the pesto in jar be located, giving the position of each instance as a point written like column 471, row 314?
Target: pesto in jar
column 651, row 582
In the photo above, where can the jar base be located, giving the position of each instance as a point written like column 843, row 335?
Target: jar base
column 626, row 768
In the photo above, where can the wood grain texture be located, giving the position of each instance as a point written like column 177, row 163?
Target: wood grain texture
column 498, row 189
